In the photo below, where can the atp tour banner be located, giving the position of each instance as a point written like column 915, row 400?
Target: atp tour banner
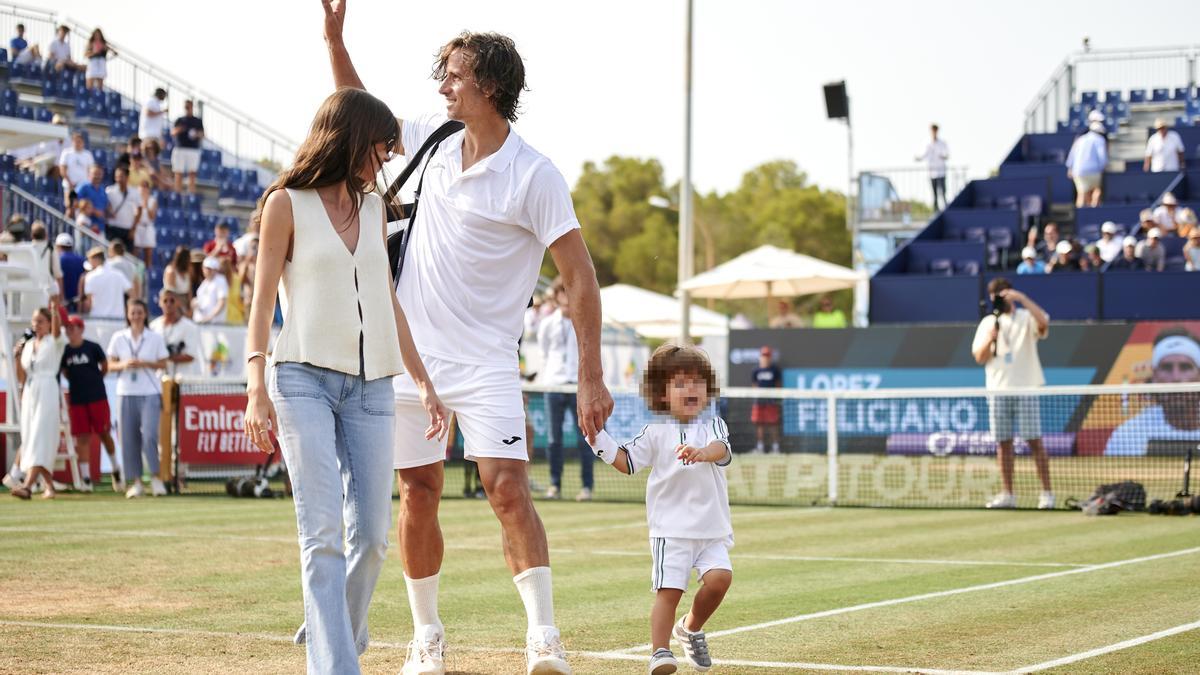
column 211, row 430
column 916, row 357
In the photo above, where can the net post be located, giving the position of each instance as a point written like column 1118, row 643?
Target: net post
column 831, row 447
column 166, row 447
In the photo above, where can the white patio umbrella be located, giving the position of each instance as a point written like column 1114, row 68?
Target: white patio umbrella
column 771, row 272
column 655, row 315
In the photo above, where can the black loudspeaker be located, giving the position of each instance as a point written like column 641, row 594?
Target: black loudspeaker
column 837, row 106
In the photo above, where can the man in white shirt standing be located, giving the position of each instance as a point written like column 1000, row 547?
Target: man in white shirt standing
column 181, row 334
column 1164, row 149
column 1006, row 345
column 75, row 166
column 154, row 116
column 560, row 366
column 490, row 208
column 104, row 288
column 935, row 156
column 124, row 209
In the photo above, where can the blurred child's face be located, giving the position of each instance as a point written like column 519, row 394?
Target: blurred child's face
column 687, row 395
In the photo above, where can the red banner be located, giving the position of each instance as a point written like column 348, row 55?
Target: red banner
column 211, row 432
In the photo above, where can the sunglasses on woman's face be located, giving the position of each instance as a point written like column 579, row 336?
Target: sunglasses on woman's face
column 390, row 151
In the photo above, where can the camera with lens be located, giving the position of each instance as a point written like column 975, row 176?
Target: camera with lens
column 27, row 335
column 999, row 304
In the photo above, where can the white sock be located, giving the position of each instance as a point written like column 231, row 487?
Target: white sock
column 85, row 470
column 423, row 601
column 537, row 592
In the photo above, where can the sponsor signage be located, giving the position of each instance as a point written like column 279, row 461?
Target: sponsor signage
column 211, row 430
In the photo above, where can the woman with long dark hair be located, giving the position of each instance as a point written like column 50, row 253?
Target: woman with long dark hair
column 329, row 395
column 38, row 361
column 177, row 277
column 136, row 354
column 97, row 53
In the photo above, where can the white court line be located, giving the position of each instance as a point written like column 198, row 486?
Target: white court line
column 1100, row 651
column 935, row 594
column 155, row 534
column 482, row 650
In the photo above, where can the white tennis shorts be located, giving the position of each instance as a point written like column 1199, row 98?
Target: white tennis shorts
column 674, row 559
column 487, row 405
column 145, row 236
column 185, row 160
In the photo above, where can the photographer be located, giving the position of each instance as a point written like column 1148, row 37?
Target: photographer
column 181, row 334
column 1006, row 345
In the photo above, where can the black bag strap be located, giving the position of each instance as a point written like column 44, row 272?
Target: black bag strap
column 440, row 134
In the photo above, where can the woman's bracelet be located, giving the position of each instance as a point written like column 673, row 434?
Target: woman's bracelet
column 254, row 355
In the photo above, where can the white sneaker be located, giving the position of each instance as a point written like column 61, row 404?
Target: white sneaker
column 118, row 485
column 426, row 654
column 136, row 490
column 774, row 448
column 585, row 495
column 545, row 654
column 552, row 493
column 86, row 485
column 1004, row 500
column 60, row 487
column 662, row 662
column 10, row 482
column 157, row 488
column 758, row 449
column 1046, row 501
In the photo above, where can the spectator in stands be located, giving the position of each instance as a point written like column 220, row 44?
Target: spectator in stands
column 1167, row 214
column 75, row 165
column 134, row 354
column 104, row 288
column 220, row 246
column 560, row 366
column 935, row 156
column 1191, row 251
column 37, row 364
column 246, row 246
column 235, row 311
column 765, row 412
column 145, row 237
column 18, row 227
column 139, row 172
column 1006, row 345
column 18, row 51
column 97, row 54
column 59, row 56
column 1128, row 260
column 1086, row 162
column 1146, row 222
column 97, row 197
column 1109, row 245
column 46, row 258
column 1164, row 149
column 125, row 209
column 177, row 277
column 181, row 334
column 71, row 264
column 1092, row 258
column 153, row 123
column 1066, row 259
column 151, row 149
column 1173, row 417
column 83, row 218
column 195, row 274
column 1030, row 263
column 84, row 366
column 827, row 316
column 247, row 267
column 185, row 158
column 1047, row 247
column 786, row 317
column 212, row 297
column 1187, row 222
column 132, row 147
column 1151, row 252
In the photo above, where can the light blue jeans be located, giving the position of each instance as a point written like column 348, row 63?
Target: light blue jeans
column 336, row 432
column 138, row 425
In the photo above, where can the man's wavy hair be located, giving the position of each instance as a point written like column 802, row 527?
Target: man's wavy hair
column 495, row 65
column 668, row 361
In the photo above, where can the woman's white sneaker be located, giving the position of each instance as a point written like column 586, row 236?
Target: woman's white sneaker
column 1004, row 500
column 1046, row 501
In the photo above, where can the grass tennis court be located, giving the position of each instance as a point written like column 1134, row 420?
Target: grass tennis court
column 211, row 584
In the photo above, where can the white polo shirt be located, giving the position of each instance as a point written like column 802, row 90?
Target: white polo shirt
column 149, row 346
column 152, row 127
column 79, row 165
column 477, row 246
column 1016, row 363
column 689, row 501
column 107, row 286
column 1164, row 152
column 124, row 205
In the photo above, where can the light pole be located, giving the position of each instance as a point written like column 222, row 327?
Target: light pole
column 686, row 245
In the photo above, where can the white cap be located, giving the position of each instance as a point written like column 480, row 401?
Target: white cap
column 1064, row 247
column 64, row 239
column 1096, row 116
column 1109, row 227
column 212, row 263
column 1169, row 199
column 1154, row 233
column 1028, row 252
column 1129, row 241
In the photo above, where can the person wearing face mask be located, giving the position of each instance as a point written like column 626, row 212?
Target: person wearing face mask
column 1171, row 417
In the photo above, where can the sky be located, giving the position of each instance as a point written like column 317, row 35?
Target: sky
column 606, row 78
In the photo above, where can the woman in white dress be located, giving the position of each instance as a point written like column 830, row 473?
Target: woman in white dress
column 37, row 368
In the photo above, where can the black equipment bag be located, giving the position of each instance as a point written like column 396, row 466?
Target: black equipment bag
column 1113, row 498
column 397, row 242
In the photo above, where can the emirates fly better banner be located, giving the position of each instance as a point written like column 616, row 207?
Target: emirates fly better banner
column 211, row 430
